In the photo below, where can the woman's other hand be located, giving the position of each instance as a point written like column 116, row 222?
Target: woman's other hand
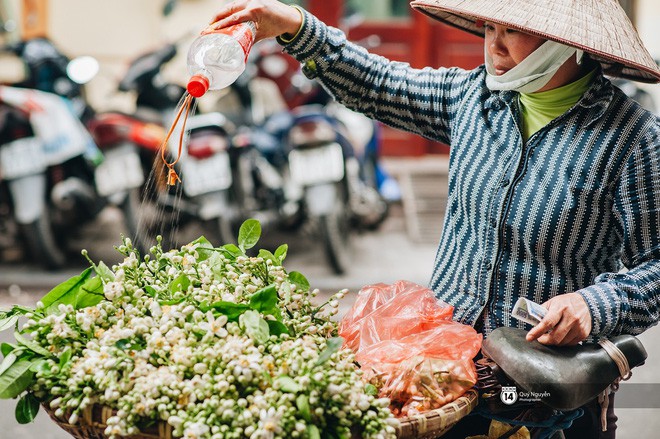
column 272, row 18
column 567, row 322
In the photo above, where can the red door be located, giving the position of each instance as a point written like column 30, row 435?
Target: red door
column 417, row 40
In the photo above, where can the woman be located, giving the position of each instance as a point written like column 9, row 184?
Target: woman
column 554, row 183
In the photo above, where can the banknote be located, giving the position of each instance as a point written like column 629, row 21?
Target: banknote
column 528, row 311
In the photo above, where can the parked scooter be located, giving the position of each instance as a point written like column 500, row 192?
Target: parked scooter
column 297, row 90
column 46, row 161
column 205, row 166
column 57, row 177
column 296, row 167
column 334, row 167
column 255, row 184
column 141, row 135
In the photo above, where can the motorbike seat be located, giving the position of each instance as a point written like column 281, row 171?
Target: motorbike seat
column 561, row 377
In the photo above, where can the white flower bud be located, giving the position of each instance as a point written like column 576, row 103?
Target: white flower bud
column 175, row 421
column 55, row 403
column 200, row 368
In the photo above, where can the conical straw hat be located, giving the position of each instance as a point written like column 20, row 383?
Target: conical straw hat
column 599, row 27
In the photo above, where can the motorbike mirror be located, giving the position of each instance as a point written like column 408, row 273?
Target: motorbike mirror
column 82, row 69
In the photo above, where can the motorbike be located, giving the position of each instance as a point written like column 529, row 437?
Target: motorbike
column 256, row 186
column 298, row 91
column 56, row 176
column 295, row 168
column 133, row 141
column 332, row 159
column 204, row 165
column 49, row 179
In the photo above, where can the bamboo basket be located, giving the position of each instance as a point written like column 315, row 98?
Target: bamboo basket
column 435, row 423
column 93, row 421
column 432, row 424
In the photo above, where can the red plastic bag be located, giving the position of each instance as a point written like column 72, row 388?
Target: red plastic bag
column 409, row 348
column 385, row 312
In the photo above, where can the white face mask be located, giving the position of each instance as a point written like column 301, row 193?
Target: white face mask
column 532, row 73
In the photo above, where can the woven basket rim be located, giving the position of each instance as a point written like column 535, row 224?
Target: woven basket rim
column 436, row 422
column 93, row 421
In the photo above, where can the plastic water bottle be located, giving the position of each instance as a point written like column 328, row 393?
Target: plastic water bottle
column 216, row 59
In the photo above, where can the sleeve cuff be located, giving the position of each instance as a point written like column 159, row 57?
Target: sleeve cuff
column 309, row 40
column 605, row 307
column 281, row 39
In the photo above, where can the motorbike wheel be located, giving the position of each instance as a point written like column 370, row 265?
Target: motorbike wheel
column 41, row 243
column 137, row 220
column 335, row 230
column 377, row 209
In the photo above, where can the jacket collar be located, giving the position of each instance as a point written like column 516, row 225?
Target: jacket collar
column 597, row 98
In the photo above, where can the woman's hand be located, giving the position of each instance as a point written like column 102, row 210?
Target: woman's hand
column 271, row 17
column 567, row 322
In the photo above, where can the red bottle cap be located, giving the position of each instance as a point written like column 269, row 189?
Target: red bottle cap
column 198, row 85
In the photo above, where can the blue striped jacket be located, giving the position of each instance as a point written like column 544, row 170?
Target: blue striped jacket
column 576, row 208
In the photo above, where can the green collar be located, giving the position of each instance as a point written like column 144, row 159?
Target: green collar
column 538, row 109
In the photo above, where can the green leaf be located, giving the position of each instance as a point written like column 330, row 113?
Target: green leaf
column 302, row 402
column 265, row 300
column 65, row 357
column 204, row 248
column 40, row 365
column 204, row 306
column 172, row 301
column 232, row 251
column 255, row 326
column 215, row 260
column 27, row 409
column 31, row 345
column 181, row 283
column 277, row 328
column 16, row 379
column 370, row 389
column 288, row 384
column 249, row 234
column 151, row 291
column 277, row 313
column 92, row 285
column 131, row 344
column 332, row 346
column 313, row 432
column 6, row 348
column 8, row 322
column 281, row 253
column 66, row 292
column 7, row 362
column 266, row 255
column 232, row 310
column 104, row 272
column 18, row 309
column 90, row 294
column 299, row 281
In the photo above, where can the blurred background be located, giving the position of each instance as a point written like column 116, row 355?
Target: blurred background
column 121, row 66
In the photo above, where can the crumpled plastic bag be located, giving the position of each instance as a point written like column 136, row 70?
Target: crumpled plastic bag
column 409, row 348
column 391, row 312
